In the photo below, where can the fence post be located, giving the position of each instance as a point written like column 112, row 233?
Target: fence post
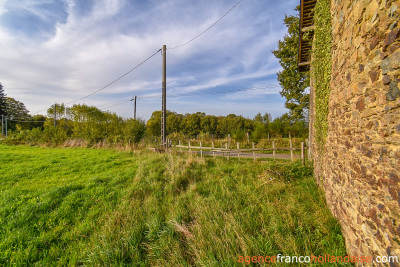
column 238, row 147
column 227, row 152
column 229, row 141
column 273, row 149
column 213, row 152
column 291, row 149
column 302, row 152
column 254, row 152
column 248, row 138
column 308, row 149
column 201, row 151
column 226, row 147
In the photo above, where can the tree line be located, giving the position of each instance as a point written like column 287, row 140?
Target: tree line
column 190, row 125
column 93, row 125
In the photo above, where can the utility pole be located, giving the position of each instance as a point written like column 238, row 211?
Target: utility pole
column 134, row 114
column 6, row 126
column 2, row 125
column 55, row 115
column 164, row 98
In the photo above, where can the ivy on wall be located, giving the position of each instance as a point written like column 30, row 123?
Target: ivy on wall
column 321, row 69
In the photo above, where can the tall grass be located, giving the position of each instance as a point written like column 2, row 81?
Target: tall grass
column 74, row 206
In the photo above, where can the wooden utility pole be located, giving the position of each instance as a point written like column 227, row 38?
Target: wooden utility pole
column 164, row 98
column 134, row 111
column 2, row 124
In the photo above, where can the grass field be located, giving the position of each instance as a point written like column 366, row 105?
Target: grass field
column 76, row 206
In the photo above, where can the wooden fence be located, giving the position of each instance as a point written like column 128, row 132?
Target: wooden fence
column 238, row 151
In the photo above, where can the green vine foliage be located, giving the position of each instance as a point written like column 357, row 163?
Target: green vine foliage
column 321, row 69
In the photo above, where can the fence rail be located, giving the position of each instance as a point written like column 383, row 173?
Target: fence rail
column 238, row 151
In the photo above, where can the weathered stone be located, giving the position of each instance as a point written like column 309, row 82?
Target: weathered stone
column 386, row 79
column 385, row 66
column 394, row 91
column 392, row 49
column 374, row 75
column 348, row 77
column 347, row 144
column 360, row 68
column 374, row 218
column 374, row 42
column 360, row 104
column 393, row 8
column 393, row 192
column 371, row 9
column 381, row 207
column 390, row 38
column 378, row 236
column 395, row 60
column 394, row 177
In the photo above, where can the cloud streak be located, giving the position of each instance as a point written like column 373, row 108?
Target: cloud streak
column 67, row 49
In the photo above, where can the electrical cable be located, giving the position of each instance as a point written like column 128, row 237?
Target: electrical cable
column 197, row 36
column 217, row 92
column 25, row 121
column 119, row 78
column 109, row 84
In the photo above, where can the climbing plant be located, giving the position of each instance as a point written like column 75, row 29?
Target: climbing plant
column 321, row 69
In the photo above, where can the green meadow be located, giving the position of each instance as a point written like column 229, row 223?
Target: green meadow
column 103, row 207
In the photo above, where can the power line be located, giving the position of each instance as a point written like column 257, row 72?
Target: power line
column 26, row 121
column 119, row 78
column 109, row 84
column 192, row 94
column 218, row 92
column 197, row 36
column 117, row 104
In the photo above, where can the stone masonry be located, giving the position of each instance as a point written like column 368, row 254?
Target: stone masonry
column 360, row 168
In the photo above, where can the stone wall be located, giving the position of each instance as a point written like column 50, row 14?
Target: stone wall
column 361, row 162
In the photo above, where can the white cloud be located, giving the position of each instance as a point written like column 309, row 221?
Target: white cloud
column 86, row 52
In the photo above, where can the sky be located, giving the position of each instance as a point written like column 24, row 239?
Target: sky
column 58, row 51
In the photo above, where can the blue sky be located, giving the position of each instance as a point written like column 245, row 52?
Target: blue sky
column 62, row 50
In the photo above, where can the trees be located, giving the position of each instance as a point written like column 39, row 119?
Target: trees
column 134, row 130
column 209, row 124
column 16, row 110
column 191, row 124
column 60, row 109
column 17, row 114
column 3, row 104
column 294, row 83
column 262, row 127
column 173, row 122
column 154, row 124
